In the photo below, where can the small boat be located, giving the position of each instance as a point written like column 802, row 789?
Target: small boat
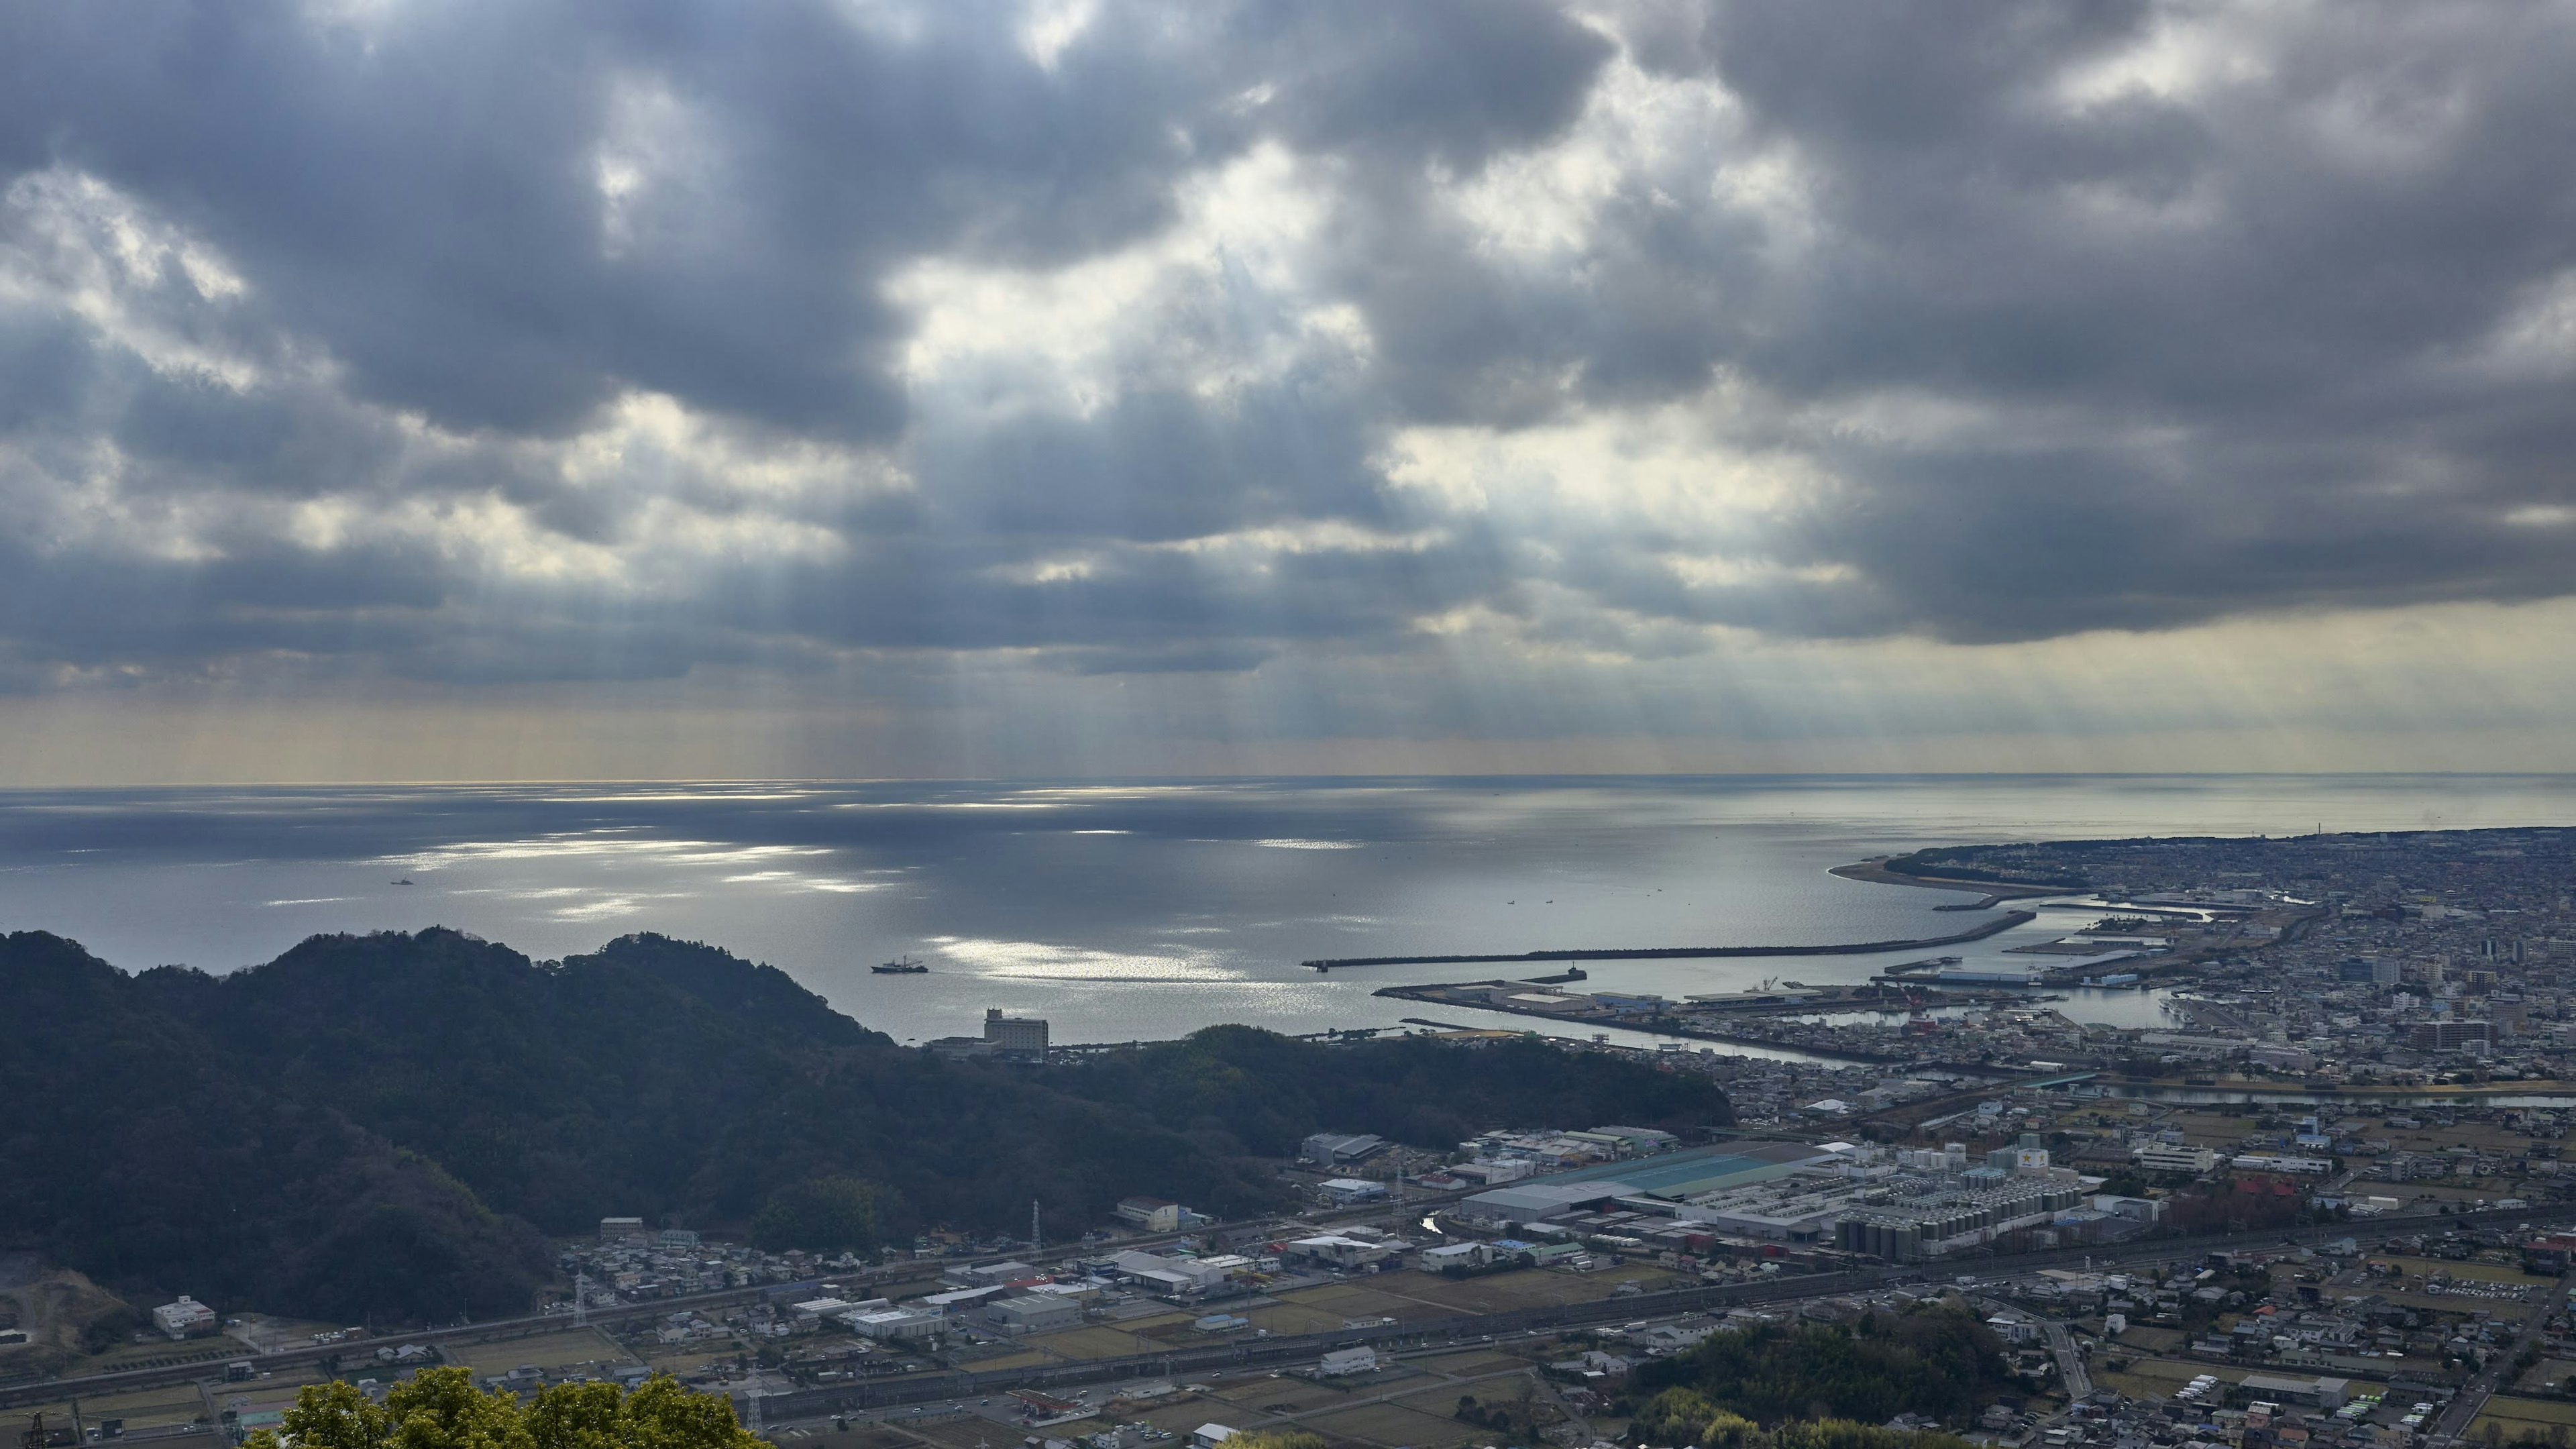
column 404, row 881
column 901, row 966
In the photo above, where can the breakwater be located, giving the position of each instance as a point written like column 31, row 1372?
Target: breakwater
column 1696, row 1021
column 2002, row 923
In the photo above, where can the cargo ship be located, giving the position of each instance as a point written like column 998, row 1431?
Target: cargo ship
column 901, row 966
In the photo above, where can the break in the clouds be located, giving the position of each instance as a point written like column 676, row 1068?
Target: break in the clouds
column 1338, row 349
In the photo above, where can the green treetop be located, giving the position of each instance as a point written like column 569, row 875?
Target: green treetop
column 441, row 1409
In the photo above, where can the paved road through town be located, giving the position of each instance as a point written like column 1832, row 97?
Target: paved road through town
column 2453, row 1422
column 2070, row 1362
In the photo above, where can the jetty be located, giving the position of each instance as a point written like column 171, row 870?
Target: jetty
column 1735, row 1018
column 2000, row 924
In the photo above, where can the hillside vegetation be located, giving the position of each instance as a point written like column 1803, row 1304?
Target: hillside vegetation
column 387, row 1125
column 1934, row 1360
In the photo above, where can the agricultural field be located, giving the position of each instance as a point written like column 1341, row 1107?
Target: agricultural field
column 2210, row 1129
column 1182, row 1417
column 1281, row 1395
column 2549, row 1373
column 148, row 1408
column 1349, row 1300
column 2486, row 1137
column 568, row 1349
column 1442, row 1399
column 1468, row 1363
column 1393, row 1424
column 967, row 1433
column 253, row 1401
column 14, row 1422
column 2149, row 1375
column 161, row 1353
column 1111, row 1340
column 679, row 1363
column 1527, row 1288
column 1288, row 1319
column 2514, row 1418
column 2146, row 1375
column 2489, row 1188
column 1154, row 1323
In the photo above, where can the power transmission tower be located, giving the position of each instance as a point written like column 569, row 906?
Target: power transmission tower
column 581, row 1300
column 1034, row 1239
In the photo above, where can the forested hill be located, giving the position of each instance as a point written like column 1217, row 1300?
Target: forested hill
column 385, row 1125
column 1935, row 1359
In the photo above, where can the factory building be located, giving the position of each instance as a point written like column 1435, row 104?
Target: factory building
column 1930, row 1226
column 1334, row 1149
column 2169, row 1157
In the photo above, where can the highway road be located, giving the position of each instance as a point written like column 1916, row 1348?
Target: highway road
column 926, row 1387
column 196, row 1369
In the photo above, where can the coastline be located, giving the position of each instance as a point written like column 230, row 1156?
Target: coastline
column 1446, row 993
column 1982, row 930
column 1870, row 871
column 1874, row 871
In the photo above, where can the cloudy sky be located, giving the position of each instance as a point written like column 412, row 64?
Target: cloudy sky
column 861, row 387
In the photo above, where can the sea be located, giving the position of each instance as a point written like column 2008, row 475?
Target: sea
column 1139, row 909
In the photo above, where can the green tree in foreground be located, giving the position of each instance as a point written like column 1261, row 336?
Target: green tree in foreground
column 441, row 1409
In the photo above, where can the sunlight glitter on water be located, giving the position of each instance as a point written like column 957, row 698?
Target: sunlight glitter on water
column 1125, row 910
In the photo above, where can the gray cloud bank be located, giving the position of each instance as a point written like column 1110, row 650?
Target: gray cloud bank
column 543, row 342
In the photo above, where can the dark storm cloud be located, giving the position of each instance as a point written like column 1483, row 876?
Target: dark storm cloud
column 1158, row 466
column 2217, row 353
column 421, row 190
column 2227, row 342
column 1133, row 601
column 318, row 316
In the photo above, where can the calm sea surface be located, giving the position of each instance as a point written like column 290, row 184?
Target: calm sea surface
column 1130, row 910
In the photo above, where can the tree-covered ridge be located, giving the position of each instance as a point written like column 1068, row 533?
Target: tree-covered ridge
column 383, row 1124
column 137, row 1150
column 1266, row 1092
column 1932, row 1360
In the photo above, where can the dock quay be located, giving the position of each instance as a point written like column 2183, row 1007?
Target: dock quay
column 1699, row 1018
